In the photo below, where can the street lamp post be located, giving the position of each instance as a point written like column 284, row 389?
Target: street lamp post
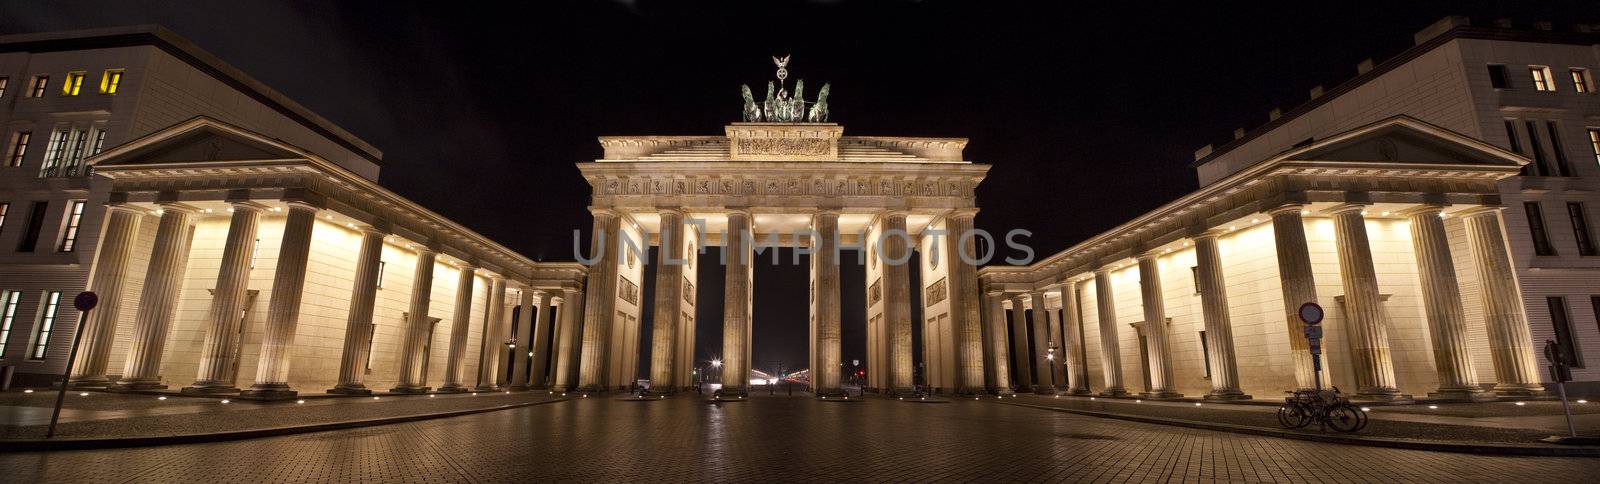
column 1050, row 360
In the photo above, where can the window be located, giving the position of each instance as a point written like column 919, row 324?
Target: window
column 1498, row 77
column 1541, row 78
column 1563, row 329
column 1580, row 80
column 69, row 237
column 39, row 84
column 3, row 82
column 1541, row 165
column 30, row 236
column 1555, row 146
column 54, row 152
column 1194, row 273
column 4, row 207
column 1580, row 228
column 74, row 83
column 47, row 324
column 381, row 266
column 1541, row 240
column 110, row 81
column 19, row 148
column 1205, row 350
column 97, row 140
column 8, row 315
column 1594, row 143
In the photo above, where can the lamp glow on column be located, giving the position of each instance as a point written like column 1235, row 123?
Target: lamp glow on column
column 1050, row 358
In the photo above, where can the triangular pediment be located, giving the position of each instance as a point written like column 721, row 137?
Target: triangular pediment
column 1405, row 141
column 198, row 141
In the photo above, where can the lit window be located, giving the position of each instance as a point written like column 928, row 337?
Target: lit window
column 4, row 207
column 3, row 82
column 1580, row 80
column 69, row 238
column 74, row 83
column 97, row 140
column 110, row 81
column 19, row 148
column 8, row 315
column 39, row 84
column 1541, row 78
column 77, row 148
column 55, row 152
column 1541, row 239
column 1498, row 78
column 1594, row 143
column 381, row 265
column 47, row 324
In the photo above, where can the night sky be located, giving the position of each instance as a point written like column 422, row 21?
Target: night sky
column 1089, row 114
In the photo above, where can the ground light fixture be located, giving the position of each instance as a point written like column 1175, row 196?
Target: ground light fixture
column 300, row 402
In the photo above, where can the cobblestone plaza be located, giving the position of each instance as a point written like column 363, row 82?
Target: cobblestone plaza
column 780, row 439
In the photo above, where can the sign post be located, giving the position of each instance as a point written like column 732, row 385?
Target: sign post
column 1311, row 314
column 85, row 301
column 1560, row 373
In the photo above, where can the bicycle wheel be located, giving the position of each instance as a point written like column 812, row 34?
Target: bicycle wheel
column 1345, row 417
column 1293, row 416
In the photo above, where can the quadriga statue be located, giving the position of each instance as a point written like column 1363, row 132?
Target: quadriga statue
column 819, row 111
column 752, row 113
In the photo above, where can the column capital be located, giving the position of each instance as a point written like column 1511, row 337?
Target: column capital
column 602, row 212
column 302, row 204
column 495, row 277
column 963, row 212
column 1151, row 254
column 995, row 293
column 1212, row 233
column 380, row 228
column 178, row 207
column 571, row 292
column 672, row 210
column 247, row 205
column 1360, row 208
column 1478, row 211
column 745, row 211
column 123, row 207
column 1295, row 208
column 1433, row 209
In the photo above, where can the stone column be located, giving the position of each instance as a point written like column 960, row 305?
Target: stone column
column 669, row 291
column 1044, row 381
column 412, row 378
column 459, row 324
column 523, row 333
column 538, row 374
column 825, row 377
column 894, row 257
column 965, row 313
column 1366, row 322
column 1224, row 366
column 1441, row 294
column 163, row 282
column 568, row 339
column 999, row 358
column 494, row 336
column 1295, row 278
column 358, row 325
column 283, row 310
column 599, row 299
column 110, row 274
column 1156, row 327
column 1077, row 367
column 1021, row 358
column 228, row 303
column 1510, row 339
column 736, row 303
column 1110, row 353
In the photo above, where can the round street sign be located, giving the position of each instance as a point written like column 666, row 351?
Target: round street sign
column 85, row 301
column 1311, row 313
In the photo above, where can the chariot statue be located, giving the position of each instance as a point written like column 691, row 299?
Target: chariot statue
column 779, row 106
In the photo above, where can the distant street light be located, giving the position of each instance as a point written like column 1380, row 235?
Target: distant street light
column 1050, row 356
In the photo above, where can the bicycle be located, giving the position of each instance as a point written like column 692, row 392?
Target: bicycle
column 1329, row 408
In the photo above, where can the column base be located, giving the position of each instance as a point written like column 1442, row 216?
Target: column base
column 137, row 385
column 1465, row 394
column 1080, row 392
column 1226, row 395
column 269, row 391
column 1004, row 392
column 1383, row 397
column 97, row 381
column 412, row 390
column 1114, row 392
column 591, row 389
column 209, row 388
column 350, row 389
column 519, row 388
column 1044, row 389
column 488, row 388
column 453, row 388
column 1160, row 395
column 1520, row 390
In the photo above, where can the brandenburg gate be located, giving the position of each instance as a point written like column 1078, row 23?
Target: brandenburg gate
column 785, row 177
